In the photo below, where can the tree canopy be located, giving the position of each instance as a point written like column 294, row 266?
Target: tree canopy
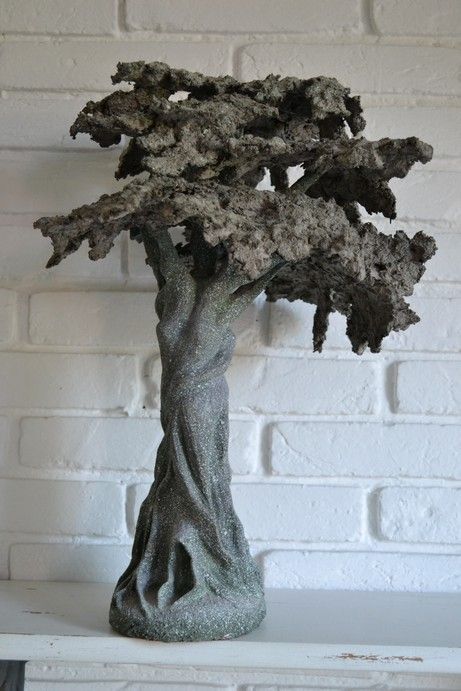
column 197, row 162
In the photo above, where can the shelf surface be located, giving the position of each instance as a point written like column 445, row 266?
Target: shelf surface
column 303, row 630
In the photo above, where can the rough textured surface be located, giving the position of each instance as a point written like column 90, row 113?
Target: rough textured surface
column 199, row 161
column 201, row 158
column 191, row 576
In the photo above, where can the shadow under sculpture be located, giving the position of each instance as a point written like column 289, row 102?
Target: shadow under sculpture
column 197, row 164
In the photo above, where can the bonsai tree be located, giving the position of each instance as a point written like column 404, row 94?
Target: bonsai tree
column 196, row 164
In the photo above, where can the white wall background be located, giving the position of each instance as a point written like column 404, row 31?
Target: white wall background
column 347, row 470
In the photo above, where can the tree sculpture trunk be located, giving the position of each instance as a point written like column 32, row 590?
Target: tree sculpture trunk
column 191, row 575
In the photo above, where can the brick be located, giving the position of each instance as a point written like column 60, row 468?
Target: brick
column 144, row 678
column 421, row 18
column 89, row 443
column 93, row 319
column 260, row 16
column 41, row 121
column 286, row 512
column 243, row 446
column 3, row 440
column 42, row 182
column 445, row 264
column 428, row 387
column 410, row 514
column 89, row 64
column 418, row 121
column 365, row 68
column 129, row 681
column 58, row 17
column 4, row 558
column 135, row 496
column 248, row 328
column 61, row 508
column 357, row 449
column 363, row 571
column 299, row 512
column 428, row 195
column 7, row 315
column 290, row 326
column 114, row 319
column 50, row 685
column 301, row 386
column 438, row 330
column 48, row 380
column 57, row 562
column 331, row 681
column 25, row 253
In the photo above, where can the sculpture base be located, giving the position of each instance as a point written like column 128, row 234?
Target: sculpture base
column 209, row 618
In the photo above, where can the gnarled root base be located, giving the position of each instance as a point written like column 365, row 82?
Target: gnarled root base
column 208, row 618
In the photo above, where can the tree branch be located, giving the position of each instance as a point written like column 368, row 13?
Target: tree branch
column 246, row 293
column 306, row 181
column 161, row 254
column 152, row 256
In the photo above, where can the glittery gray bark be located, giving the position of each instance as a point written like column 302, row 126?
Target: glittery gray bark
column 196, row 164
column 191, row 575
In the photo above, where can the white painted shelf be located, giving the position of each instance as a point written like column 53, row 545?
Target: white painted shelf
column 303, row 630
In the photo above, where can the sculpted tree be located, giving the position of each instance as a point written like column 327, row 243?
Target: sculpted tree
column 197, row 163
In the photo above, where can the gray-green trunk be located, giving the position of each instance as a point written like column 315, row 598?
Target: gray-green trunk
column 191, row 576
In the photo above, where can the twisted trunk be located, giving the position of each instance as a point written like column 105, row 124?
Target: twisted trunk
column 191, row 576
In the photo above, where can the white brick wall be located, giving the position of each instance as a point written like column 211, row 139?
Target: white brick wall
column 420, row 18
column 68, row 562
column 408, row 514
column 26, row 187
column 41, row 120
column 239, row 16
column 301, row 513
column 87, row 65
column 25, row 253
column 43, row 677
column 92, row 444
column 346, row 470
column 363, row 571
column 48, row 380
column 7, row 311
column 62, row 508
column 281, row 385
column 59, row 17
column 92, row 319
column 373, row 68
column 332, row 449
column 431, row 387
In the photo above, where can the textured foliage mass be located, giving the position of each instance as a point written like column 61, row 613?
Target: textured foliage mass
column 198, row 162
